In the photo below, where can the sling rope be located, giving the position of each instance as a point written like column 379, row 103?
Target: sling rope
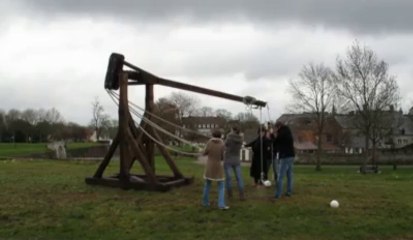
column 153, row 124
column 272, row 146
column 166, row 146
column 160, row 118
column 166, row 132
column 159, row 128
column 248, row 101
column 261, row 147
column 261, row 138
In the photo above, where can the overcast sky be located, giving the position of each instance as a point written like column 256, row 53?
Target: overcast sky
column 54, row 53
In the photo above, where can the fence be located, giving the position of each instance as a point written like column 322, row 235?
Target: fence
column 340, row 158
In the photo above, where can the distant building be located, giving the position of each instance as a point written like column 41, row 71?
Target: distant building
column 202, row 125
column 304, row 129
column 352, row 141
column 402, row 132
column 342, row 135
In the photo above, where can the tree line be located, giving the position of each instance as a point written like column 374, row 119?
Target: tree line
column 43, row 125
column 36, row 125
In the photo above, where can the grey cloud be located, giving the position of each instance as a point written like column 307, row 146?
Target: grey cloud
column 362, row 16
column 254, row 66
column 258, row 63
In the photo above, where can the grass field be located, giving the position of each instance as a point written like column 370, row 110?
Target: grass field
column 10, row 150
column 46, row 199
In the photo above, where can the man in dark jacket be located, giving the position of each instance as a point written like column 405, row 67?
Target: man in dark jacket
column 284, row 147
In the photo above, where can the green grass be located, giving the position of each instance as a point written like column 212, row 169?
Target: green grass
column 9, row 150
column 45, row 199
column 21, row 149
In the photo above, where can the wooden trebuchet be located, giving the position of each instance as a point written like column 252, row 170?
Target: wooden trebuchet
column 133, row 145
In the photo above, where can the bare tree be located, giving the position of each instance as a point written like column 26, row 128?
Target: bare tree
column 247, row 120
column 99, row 120
column 31, row 116
column 53, row 116
column 13, row 114
column 363, row 81
column 314, row 92
column 410, row 113
column 167, row 111
column 185, row 103
column 206, row 111
column 225, row 114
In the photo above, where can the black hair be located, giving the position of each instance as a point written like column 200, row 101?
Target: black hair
column 278, row 124
column 235, row 129
column 216, row 133
column 261, row 129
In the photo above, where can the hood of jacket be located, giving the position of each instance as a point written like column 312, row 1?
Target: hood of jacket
column 216, row 140
column 234, row 137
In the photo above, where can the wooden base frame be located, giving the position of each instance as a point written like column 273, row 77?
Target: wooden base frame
column 138, row 182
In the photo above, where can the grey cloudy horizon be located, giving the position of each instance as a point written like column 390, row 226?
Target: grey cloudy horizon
column 54, row 53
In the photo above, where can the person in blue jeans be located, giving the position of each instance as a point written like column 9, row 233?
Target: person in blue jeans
column 284, row 147
column 214, row 170
column 232, row 162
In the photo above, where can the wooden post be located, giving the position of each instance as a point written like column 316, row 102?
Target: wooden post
column 108, row 156
column 166, row 156
column 149, row 106
column 123, row 127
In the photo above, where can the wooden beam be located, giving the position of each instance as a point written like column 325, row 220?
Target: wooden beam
column 108, row 156
column 141, row 157
column 124, row 127
column 149, row 106
column 166, row 156
column 144, row 77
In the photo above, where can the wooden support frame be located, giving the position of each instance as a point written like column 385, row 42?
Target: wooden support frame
column 132, row 143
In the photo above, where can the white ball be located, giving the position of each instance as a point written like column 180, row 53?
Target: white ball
column 267, row 183
column 334, row 204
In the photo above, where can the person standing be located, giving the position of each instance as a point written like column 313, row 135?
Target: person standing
column 261, row 152
column 214, row 170
column 284, row 147
column 232, row 163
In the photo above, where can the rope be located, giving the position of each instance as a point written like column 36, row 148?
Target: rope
column 248, row 101
column 137, row 114
column 268, row 113
column 274, row 163
column 113, row 96
column 272, row 147
column 159, row 118
column 262, row 148
column 166, row 146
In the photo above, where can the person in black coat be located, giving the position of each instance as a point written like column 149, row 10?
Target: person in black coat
column 259, row 164
column 284, row 147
